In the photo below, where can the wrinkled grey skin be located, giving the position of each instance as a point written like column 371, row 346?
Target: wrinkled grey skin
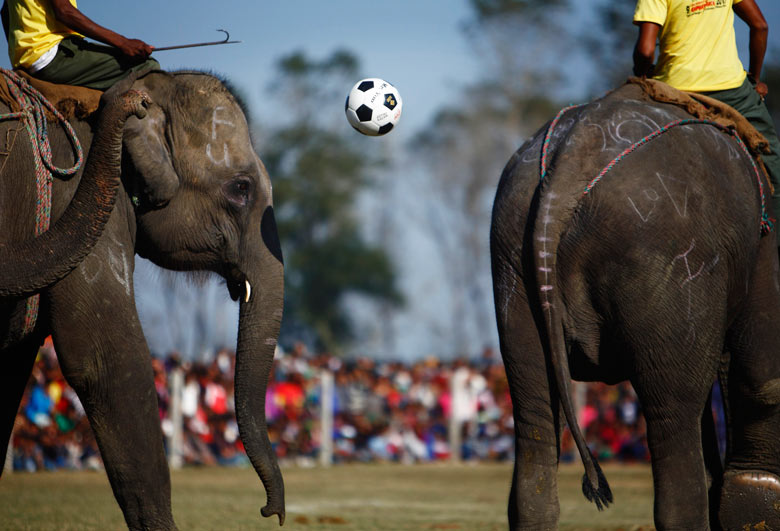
column 651, row 277
column 203, row 202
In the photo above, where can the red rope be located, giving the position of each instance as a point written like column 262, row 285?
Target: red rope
column 32, row 114
column 766, row 224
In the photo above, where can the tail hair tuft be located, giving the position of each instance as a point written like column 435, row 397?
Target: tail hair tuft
column 601, row 495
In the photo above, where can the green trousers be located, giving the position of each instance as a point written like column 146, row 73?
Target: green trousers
column 87, row 64
column 746, row 100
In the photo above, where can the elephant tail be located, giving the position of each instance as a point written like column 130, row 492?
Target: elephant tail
column 547, row 234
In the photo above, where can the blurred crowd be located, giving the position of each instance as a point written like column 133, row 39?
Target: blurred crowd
column 382, row 411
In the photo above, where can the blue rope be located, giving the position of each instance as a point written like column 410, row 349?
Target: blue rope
column 32, row 105
column 548, row 137
column 766, row 224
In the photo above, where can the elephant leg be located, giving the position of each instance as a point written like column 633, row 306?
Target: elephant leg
column 104, row 357
column 751, row 483
column 17, row 365
column 674, row 436
column 533, row 499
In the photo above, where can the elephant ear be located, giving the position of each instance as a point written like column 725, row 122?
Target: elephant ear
column 145, row 142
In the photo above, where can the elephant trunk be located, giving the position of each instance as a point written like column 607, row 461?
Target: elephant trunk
column 260, row 317
column 34, row 264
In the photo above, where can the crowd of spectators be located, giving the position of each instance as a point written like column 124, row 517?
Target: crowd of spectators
column 51, row 430
column 382, row 411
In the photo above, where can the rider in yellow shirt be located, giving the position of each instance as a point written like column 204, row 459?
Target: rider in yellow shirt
column 698, row 53
column 46, row 38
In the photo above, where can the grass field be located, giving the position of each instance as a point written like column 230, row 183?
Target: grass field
column 345, row 498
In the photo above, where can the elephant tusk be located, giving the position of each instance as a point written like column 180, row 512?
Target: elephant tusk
column 247, row 291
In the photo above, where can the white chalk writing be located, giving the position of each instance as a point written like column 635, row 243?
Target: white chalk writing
column 215, row 121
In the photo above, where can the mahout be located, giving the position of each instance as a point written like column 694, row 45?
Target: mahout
column 630, row 241
column 182, row 187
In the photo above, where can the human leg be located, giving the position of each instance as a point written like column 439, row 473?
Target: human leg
column 90, row 65
column 746, row 100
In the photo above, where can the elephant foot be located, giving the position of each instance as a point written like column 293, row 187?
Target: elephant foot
column 750, row 500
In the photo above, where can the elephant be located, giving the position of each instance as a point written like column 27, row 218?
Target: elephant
column 629, row 242
column 189, row 194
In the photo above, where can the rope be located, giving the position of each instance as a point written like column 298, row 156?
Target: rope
column 32, row 105
column 767, row 223
column 548, row 137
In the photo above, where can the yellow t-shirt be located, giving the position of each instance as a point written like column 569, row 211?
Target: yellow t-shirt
column 33, row 30
column 698, row 49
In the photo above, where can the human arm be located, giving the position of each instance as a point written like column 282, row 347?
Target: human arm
column 644, row 50
column 751, row 14
column 74, row 19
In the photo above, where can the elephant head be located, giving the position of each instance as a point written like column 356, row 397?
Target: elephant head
column 203, row 202
column 31, row 265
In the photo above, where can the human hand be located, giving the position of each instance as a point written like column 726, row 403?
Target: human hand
column 644, row 73
column 762, row 89
column 136, row 49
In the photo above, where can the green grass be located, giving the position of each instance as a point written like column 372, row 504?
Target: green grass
column 344, row 498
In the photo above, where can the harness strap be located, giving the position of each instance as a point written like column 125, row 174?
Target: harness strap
column 767, row 223
column 32, row 104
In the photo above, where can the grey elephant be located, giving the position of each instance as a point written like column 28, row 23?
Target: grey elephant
column 189, row 193
column 628, row 242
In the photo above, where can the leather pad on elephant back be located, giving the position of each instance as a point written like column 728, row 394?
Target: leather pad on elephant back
column 71, row 101
column 705, row 108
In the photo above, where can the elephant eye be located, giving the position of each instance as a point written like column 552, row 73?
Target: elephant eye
column 238, row 191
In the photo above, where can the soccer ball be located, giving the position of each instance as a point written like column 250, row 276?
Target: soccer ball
column 373, row 106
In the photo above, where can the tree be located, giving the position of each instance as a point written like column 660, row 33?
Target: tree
column 318, row 175
column 611, row 42
column 467, row 144
column 531, row 49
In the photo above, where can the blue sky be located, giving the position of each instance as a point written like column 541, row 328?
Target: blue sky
column 416, row 44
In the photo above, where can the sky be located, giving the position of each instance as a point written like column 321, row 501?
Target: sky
column 418, row 45
column 414, row 44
